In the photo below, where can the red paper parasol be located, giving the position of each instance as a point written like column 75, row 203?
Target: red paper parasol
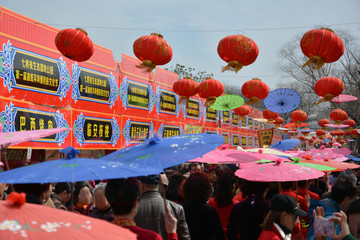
column 292, row 125
column 336, row 125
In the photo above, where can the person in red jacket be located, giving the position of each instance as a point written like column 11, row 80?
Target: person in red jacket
column 302, row 191
column 123, row 194
column 281, row 219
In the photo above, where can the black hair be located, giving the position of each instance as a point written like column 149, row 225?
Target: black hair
column 287, row 185
column 354, row 207
column 197, row 188
column 78, row 186
column 35, row 189
column 301, row 183
column 347, row 176
column 341, row 190
column 224, row 188
column 122, row 194
column 254, row 188
column 172, row 190
column 62, row 186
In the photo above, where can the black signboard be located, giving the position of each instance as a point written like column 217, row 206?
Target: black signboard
column 27, row 119
column 226, row 138
column 139, row 131
column 193, row 109
column 94, row 85
column 170, row 131
column 243, row 121
column 235, row 119
column 211, row 132
column 226, row 117
column 97, row 130
column 250, row 123
column 167, row 102
column 138, row 95
column 243, row 141
column 235, row 139
column 211, row 114
column 32, row 71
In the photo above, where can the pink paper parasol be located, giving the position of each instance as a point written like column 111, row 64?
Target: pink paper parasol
column 329, row 153
column 337, row 125
column 278, row 172
column 224, row 156
column 344, row 98
column 335, row 164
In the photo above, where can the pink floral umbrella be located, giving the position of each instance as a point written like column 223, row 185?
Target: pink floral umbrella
column 278, row 172
column 335, row 164
column 20, row 220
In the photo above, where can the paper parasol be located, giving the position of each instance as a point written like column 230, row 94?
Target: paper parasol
column 227, row 102
column 336, row 125
column 282, row 100
column 344, row 98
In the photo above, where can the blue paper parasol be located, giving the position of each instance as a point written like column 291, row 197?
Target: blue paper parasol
column 167, row 152
column 74, row 169
column 282, row 100
column 285, row 145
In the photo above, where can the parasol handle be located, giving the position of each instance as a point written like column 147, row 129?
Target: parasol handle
column 163, row 194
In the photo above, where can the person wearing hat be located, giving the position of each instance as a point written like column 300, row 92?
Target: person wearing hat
column 280, row 220
column 151, row 209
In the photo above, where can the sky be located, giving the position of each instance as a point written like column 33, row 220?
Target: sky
column 193, row 28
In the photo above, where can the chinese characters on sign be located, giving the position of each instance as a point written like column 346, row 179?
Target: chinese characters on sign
column 243, row 141
column 226, row 138
column 211, row 114
column 193, row 109
column 265, row 137
column 31, row 71
column 235, row 140
column 97, row 130
column 235, row 119
column 243, row 121
column 167, row 102
column 138, row 95
column 226, row 117
column 139, row 131
column 94, row 85
column 171, row 131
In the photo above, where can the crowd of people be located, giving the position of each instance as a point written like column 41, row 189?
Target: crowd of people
column 194, row 201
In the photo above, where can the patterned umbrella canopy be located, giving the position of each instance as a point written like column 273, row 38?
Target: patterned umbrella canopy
column 227, row 102
column 282, row 100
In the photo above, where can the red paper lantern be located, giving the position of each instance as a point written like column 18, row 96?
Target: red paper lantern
column 242, row 111
column 331, row 143
column 348, row 132
column 322, row 123
column 152, row 50
column 185, row 88
column 74, row 44
column 298, row 116
column 339, row 132
column 320, row 133
column 349, row 122
column 338, row 116
column 269, row 115
column 311, row 141
column 342, row 142
column 278, row 121
column 321, row 46
column 210, row 89
column 355, row 132
column 328, row 88
column 255, row 90
column 237, row 51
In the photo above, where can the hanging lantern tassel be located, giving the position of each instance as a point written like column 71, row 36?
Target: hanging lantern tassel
column 315, row 62
column 147, row 66
column 253, row 101
column 184, row 100
column 327, row 98
column 233, row 66
column 210, row 101
column 298, row 124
